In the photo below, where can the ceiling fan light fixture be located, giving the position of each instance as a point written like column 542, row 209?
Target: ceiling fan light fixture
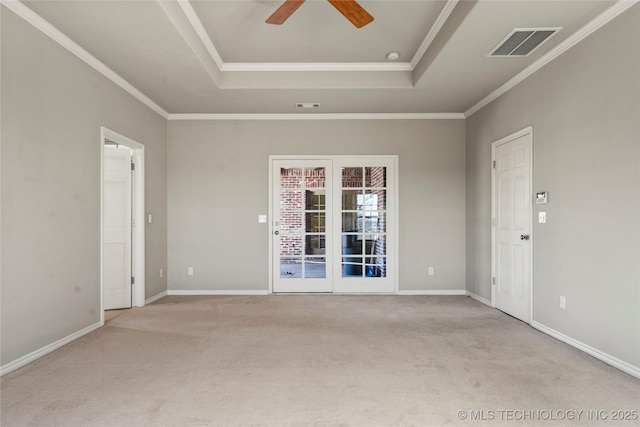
column 393, row 56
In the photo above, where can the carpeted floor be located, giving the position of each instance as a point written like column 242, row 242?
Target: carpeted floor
column 314, row 360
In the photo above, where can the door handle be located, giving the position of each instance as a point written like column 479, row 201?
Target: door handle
column 524, row 237
column 276, row 232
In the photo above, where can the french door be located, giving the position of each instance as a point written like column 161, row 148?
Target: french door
column 333, row 225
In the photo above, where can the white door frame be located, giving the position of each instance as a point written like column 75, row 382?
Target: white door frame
column 526, row 131
column 138, row 249
column 395, row 247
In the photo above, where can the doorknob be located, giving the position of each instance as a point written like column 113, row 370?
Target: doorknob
column 276, row 232
column 524, row 237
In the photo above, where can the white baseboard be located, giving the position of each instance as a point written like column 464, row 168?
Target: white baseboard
column 155, row 297
column 606, row 358
column 479, row 298
column 34, row 355
column 433, row 292
column 216, row 292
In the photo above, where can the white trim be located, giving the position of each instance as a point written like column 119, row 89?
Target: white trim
column 270, row 221
column 317, row 66
column 526, row 131
column 396, row 223
column 320, row 116
column 479, row 298
column 595, row 24
column 600, row 355
column 433, row 292
column 155, row 297
column 34, row 19
column 195, row 22
column 433, row 32
column 37, row 354
column 216, row 292
column 138, row 249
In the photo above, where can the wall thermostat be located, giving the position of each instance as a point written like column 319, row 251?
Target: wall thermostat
column 541, row 198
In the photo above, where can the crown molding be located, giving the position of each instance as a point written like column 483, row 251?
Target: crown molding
column 595, row 24
column 56, row 35
column 433, row 32
column 318, row 66
column 320, row 116
column 195, row 22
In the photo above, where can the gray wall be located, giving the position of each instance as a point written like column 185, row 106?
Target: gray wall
column 53, row 106
column 218, row 184
column 585, row 112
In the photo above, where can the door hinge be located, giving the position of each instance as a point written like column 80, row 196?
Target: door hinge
column 133, row 166
column 133, row 223
column 493, row 280
column 133, row 280
column 494, row 164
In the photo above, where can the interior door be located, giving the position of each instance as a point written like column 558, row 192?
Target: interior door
column 302, row 206
column 117, row 228
column 512, row 226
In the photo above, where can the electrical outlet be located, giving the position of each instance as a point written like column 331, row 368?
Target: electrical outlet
column 563, row 302
column 189, row 271
column 161, row 272
column 430, row 271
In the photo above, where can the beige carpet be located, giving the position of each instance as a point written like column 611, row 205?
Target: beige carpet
column 316, row 361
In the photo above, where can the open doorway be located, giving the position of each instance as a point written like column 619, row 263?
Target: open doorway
column 122, row 280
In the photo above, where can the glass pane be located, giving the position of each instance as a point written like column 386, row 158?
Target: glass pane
column 377, row 244
column 351, row 244
column 315, row 222
column 290, row 268
column 290, row 246
column 352, row 267
column 291, row 200
column 373, row 222
column 374, row 200
column 350, row 199
column 315, row 267
column 291, row 178
column 315, row 245
column 350, row 221
column 314, row 200
column 314, row 178
column 351, row 177
column 375, row 267
column 375, row 176
column 291, row 222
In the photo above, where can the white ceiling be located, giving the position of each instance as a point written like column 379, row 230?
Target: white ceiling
column 219, row 56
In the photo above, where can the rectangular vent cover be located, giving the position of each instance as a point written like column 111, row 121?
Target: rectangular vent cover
column 307, row 105
column 523, row 41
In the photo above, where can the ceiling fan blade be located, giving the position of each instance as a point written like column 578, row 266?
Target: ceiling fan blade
column 284, row 12
column 353, row 12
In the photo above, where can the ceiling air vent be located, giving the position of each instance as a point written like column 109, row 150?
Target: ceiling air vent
column 307, row 105
column 523, row 41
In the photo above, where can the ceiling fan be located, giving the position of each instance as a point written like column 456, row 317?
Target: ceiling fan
column 349, row 8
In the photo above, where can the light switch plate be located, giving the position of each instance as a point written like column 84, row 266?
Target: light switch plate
column 542, row 217
column 262, row 218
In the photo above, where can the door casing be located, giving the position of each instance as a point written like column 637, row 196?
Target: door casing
column 395, row 257
column 138, row 241
column 526, row 131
